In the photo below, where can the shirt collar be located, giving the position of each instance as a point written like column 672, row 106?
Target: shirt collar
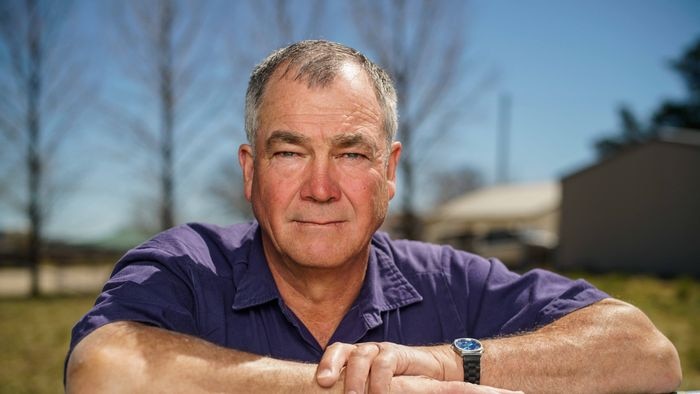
column 384, row 288
column 252, row 277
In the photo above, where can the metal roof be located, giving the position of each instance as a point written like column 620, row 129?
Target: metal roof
column 507, row 201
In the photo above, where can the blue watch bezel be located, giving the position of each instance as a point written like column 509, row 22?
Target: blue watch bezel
column 468, row 346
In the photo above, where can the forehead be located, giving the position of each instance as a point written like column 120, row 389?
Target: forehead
column 349, row 99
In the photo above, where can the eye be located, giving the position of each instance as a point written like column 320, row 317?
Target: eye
column 353, row 156
column 286, row 154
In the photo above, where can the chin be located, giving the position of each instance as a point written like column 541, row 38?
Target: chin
column 316, row 260
column 327, row 257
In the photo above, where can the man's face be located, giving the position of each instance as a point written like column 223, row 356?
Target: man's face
column 323, row 174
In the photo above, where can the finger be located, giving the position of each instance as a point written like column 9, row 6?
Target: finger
column 358, row 367
column 332, row 362
column 383, row 369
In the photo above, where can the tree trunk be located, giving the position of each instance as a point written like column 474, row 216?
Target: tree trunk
column 167, row 212
column 34, row 164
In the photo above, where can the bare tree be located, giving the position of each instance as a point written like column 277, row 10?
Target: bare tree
column 226, row 189
column 422, row 44
column 454, row 183
column 176, row 102
column 43, row 93
column 284, row 25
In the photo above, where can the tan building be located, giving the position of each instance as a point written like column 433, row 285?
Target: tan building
column 638, row 211
column 515, row 223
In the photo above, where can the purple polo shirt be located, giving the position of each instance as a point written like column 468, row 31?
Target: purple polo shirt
column 214, row 283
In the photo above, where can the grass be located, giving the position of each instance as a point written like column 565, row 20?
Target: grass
column 34, row 333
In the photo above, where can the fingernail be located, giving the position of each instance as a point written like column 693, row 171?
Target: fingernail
column 324, row 373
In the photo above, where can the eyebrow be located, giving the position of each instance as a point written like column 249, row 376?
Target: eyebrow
column 342, row 141
column 353, row 140
column 285, row 137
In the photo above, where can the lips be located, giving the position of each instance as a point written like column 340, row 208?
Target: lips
column 315, row 222
column 319, row 221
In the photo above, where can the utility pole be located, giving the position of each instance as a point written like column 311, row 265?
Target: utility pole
column 503, row 142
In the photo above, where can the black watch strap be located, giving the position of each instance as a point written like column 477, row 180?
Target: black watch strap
column 472, row 368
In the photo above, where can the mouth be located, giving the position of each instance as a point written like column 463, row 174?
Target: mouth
column 318, row 222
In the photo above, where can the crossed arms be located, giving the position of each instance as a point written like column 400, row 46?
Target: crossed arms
column 609, row 346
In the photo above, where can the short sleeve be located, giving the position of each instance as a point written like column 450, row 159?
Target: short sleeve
column 503, row 302
column 152, row 293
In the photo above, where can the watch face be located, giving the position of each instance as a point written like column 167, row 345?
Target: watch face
column 468, row 345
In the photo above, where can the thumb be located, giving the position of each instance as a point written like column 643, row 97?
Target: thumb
column 332, row 363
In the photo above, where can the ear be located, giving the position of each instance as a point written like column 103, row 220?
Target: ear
column 245, row 159
column 392, row 166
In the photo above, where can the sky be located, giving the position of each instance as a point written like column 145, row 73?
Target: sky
column 568, row 65
column 565, row 65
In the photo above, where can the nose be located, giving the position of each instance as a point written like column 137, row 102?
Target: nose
column 320, row 183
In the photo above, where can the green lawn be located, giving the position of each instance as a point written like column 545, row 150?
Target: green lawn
column 34, row 333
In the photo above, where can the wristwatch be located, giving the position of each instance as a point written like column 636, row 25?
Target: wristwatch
column 470, row 349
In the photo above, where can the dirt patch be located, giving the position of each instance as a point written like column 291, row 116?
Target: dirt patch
column 54, row 280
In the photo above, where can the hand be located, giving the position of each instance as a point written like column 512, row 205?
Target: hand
column 373, row 366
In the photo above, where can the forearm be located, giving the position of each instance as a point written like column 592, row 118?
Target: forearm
column 130, row 357
column 608, row 347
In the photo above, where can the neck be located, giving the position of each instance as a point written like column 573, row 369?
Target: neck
column 320, row 297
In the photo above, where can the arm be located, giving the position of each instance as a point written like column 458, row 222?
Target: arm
column 127, row 357
column 609, row 346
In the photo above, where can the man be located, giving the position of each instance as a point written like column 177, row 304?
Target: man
column 310, row 298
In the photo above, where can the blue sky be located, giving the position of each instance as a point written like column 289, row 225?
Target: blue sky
column 566, row 66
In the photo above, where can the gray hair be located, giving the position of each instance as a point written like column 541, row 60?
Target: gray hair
column 318, row 62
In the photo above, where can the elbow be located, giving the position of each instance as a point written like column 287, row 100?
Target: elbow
column 662, row 367
column 99, row 364
column 86, row 369
column 669, row 375
column 643, row 359
column 663, row 364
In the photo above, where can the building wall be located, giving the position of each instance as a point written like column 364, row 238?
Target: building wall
column 637, row 212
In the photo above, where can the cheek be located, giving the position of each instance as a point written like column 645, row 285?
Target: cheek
column 274, row 191
column 273, row 176
column 365, row 189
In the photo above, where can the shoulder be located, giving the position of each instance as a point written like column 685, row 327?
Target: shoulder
column 427, row 258
column 205, row 245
